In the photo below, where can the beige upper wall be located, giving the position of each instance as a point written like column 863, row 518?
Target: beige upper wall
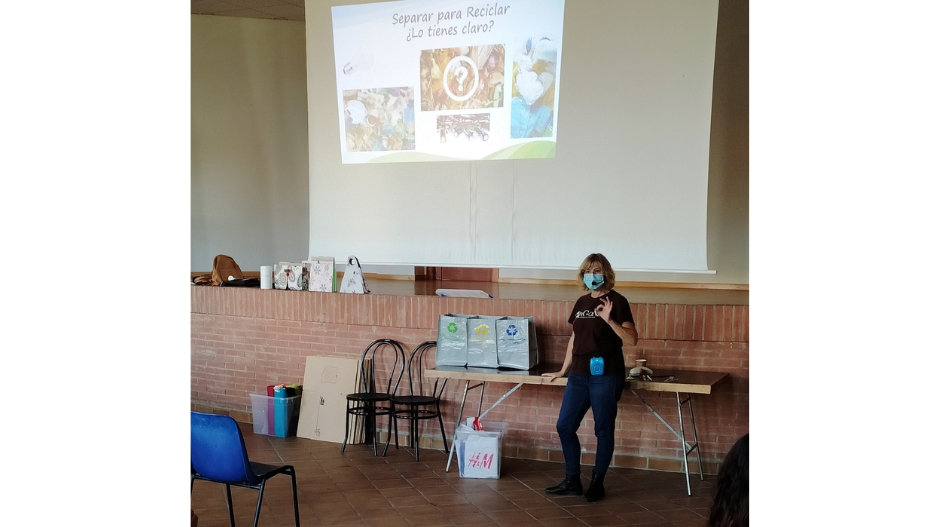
column 250, row 138
column 728, row 172
column 249, row 141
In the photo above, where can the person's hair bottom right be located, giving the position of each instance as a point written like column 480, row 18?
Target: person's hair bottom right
column 730, row 504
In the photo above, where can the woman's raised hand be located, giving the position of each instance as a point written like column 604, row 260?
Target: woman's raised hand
column 603, row 310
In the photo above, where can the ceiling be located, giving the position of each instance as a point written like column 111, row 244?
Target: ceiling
column 272, row 9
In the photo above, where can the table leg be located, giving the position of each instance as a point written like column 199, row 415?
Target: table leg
column 505, row 395
column 686, row 447
column 663, row 421
column 685, row 452
column 698, row 451
column 453, row 442
column 480, row 413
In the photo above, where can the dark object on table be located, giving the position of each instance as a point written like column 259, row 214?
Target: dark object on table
column 242, row 282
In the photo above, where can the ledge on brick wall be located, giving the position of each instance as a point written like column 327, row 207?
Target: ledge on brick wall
column 642, row 292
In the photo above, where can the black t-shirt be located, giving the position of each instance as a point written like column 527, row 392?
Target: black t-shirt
column 595, row 338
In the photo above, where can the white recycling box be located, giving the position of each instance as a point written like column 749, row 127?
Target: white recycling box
column 479, row 452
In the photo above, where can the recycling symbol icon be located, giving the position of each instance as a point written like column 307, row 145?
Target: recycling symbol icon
column 452, row 327
column 483, row 329
column 511, row 330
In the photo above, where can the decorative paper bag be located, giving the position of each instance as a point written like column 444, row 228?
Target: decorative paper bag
column 322, row 273
column 281, row 270
column 516, row 347
column 481, row 342
column 297, row 277
column 353, row 281
column 452, row 340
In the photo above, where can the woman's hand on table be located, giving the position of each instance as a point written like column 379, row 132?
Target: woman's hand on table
column 554, row 375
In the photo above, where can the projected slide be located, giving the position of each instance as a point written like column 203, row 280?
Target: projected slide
column 439, row 80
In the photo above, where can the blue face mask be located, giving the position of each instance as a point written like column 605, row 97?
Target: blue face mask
column 593, row 281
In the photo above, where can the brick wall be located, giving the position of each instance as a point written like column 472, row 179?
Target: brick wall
column 246, row 339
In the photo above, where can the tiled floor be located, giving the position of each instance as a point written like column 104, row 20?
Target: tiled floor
column 357, row 488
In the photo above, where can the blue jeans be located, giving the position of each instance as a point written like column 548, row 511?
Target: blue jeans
column 600, row 393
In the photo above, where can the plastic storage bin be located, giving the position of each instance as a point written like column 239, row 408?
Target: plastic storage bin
column 286, row 411
column 479, row 452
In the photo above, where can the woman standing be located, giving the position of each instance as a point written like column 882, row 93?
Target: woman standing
column 602, row 324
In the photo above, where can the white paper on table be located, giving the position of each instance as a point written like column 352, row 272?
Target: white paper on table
column 469, row 293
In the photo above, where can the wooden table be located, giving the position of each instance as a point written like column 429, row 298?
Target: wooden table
column 681, row 382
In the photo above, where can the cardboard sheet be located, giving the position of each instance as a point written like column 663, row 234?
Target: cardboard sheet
column 327, row 381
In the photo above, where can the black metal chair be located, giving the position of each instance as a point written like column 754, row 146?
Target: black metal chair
column 367, row 402
column 218, row 454
column 423, row 403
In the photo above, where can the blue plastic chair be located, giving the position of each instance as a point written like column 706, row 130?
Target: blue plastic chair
column 218, row 454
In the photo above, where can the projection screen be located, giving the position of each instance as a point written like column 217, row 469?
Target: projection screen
column 629, row 175
column 435, row 80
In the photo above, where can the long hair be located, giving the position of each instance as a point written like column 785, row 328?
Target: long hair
column 729, row 506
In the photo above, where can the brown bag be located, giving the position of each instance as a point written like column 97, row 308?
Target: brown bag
column 223, row 267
